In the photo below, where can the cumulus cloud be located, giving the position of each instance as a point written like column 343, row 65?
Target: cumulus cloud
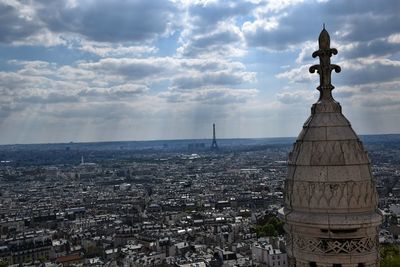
column 368, row 70
column 130, row 68
column 38, row 82
column 299, row 74
column 51, row 98
column 296, row 97
column 221, row 78
column 124, row 80
column 365, row 94
column 354, row 71
column 213, row 96
column 356, row 22
column 105, row 28
column 16, row 23
column 110, row 21
column 373, row 48
column 212, row 28
column 211, row 64
column 394, row 38
column 118, row 92
column 207, row 14
column 106, row 49
column 136, row 61
column 183, row 73
column 19, row 25
column 225, row 41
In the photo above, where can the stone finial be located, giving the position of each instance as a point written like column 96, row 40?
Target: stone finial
column 324, row 68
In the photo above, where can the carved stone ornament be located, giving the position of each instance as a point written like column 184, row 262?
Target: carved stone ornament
column 329, row 195
column 335, row 246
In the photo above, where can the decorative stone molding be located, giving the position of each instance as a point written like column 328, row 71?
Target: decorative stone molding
column 329, row 195
column 335, row 246
column 328, row 152
column 321, row 107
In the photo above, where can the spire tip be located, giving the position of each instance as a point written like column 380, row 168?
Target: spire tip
column 325, row 67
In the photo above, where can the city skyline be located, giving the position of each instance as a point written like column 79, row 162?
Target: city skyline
column 139, row 70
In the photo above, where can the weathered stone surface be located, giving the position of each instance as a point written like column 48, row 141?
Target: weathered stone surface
column 340, row 133
column 326, row 107
column 353, row 153
column 335, row 197
column 315, row 134
column 330, row 196
column 327, row 119
column 327, row 153
column 345, row 173
column 304, row 153
column 309, row 173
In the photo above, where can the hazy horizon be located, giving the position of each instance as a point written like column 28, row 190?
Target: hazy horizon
column 182, row 140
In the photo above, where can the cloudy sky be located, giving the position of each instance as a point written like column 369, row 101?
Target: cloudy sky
column 94, row 70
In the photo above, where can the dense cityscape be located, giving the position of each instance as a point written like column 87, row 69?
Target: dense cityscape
column 160, row 203
column 80, row 80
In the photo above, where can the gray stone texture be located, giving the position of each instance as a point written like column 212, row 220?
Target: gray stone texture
column 330, row 211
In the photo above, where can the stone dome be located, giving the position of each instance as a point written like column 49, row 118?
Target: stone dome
column 328, row 167
column 330, row 205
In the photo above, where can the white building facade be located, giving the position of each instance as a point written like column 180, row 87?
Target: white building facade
column 264, row 254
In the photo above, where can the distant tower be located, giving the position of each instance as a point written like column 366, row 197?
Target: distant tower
column 330, row 206
column 214, row 145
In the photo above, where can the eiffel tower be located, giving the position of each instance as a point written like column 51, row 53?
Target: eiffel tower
column 214, row 145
